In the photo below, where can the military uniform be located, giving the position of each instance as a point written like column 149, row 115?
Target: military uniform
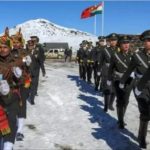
column 98, row 48
column 139, row 64
column 118, row 65
column 11, row 80
column 104, row 63
column 78, row 59
column 19, row 54
column 82, row 60
column 37, row 56
column 90, row 61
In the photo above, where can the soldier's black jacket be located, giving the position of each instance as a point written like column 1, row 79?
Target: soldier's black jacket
column 118, row 65
column 105, row 57
column 144, row 80
column 37, row 56
column 91, row 55
column 80, row 55
column 139, row 64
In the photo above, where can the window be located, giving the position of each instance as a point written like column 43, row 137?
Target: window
column 55, row 51
column 50, row 51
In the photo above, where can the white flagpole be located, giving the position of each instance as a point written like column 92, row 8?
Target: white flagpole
column 103, row 19
column 95, row 24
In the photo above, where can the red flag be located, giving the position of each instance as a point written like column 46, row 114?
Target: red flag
column 89, row 12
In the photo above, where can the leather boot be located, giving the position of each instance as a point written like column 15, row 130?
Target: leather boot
column 106, row 102
column 112, row 98
column 120, row 114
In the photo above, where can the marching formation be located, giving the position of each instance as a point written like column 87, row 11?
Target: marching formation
column 19, row 76
column 118, row 69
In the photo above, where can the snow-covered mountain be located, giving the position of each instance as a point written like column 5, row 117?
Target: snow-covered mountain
column 50, row 32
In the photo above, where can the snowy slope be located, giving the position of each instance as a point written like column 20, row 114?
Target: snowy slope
column 50, row 32
column 69, row 114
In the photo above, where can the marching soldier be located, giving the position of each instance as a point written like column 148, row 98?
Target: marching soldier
column 9, row 91
column 79, row 60
column 139, row 64
column 82, row 58
column 118, row 65
column 19, row 53
column 90, row 61
column 37, row 56
column 104, row 63
column 99, row 45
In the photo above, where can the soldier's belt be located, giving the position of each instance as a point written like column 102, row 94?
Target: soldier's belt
column 118, row 74
column 88, row 61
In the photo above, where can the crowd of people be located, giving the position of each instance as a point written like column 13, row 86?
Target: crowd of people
column 19, row 75
column 117, row 69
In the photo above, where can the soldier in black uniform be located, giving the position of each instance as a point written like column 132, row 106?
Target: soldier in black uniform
column 78, row 59
column 82, row 58
column 104, row 63
column 139, row 64
column 90, row 61
column 99, row 45
column 37, row 56
column 118, row 65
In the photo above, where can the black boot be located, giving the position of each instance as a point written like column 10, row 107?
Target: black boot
column 142, row 133
column 112, row 98
column 96, row 88
column 19, row 137
column 106, row 102
column 120, row 114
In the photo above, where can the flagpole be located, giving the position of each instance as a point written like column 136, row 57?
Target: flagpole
column 95, row 24
column 103, row 20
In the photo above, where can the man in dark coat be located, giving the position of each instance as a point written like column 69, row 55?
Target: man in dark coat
column 37, row 56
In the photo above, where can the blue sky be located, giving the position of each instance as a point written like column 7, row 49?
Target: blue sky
column 120, row 17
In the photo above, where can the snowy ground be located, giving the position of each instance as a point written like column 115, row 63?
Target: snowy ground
column 69, row 115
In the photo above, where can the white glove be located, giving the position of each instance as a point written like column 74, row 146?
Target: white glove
column 108, row 82
column 121, row 86
column 137, row 92
column 132, row 75
column 4, row 87
column 17, row 72
column 98, row 73
column 27, row 60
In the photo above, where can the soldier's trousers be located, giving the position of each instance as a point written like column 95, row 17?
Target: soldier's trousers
column 12, row 113
column 81, row 71
column 23, row 108
column 95, row 67
column 144, row 103
column 122, row 95
column 89, row 72
column 34, row 87
column 84, row 67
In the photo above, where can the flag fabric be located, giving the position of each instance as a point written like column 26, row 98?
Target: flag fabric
column 92, row 11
